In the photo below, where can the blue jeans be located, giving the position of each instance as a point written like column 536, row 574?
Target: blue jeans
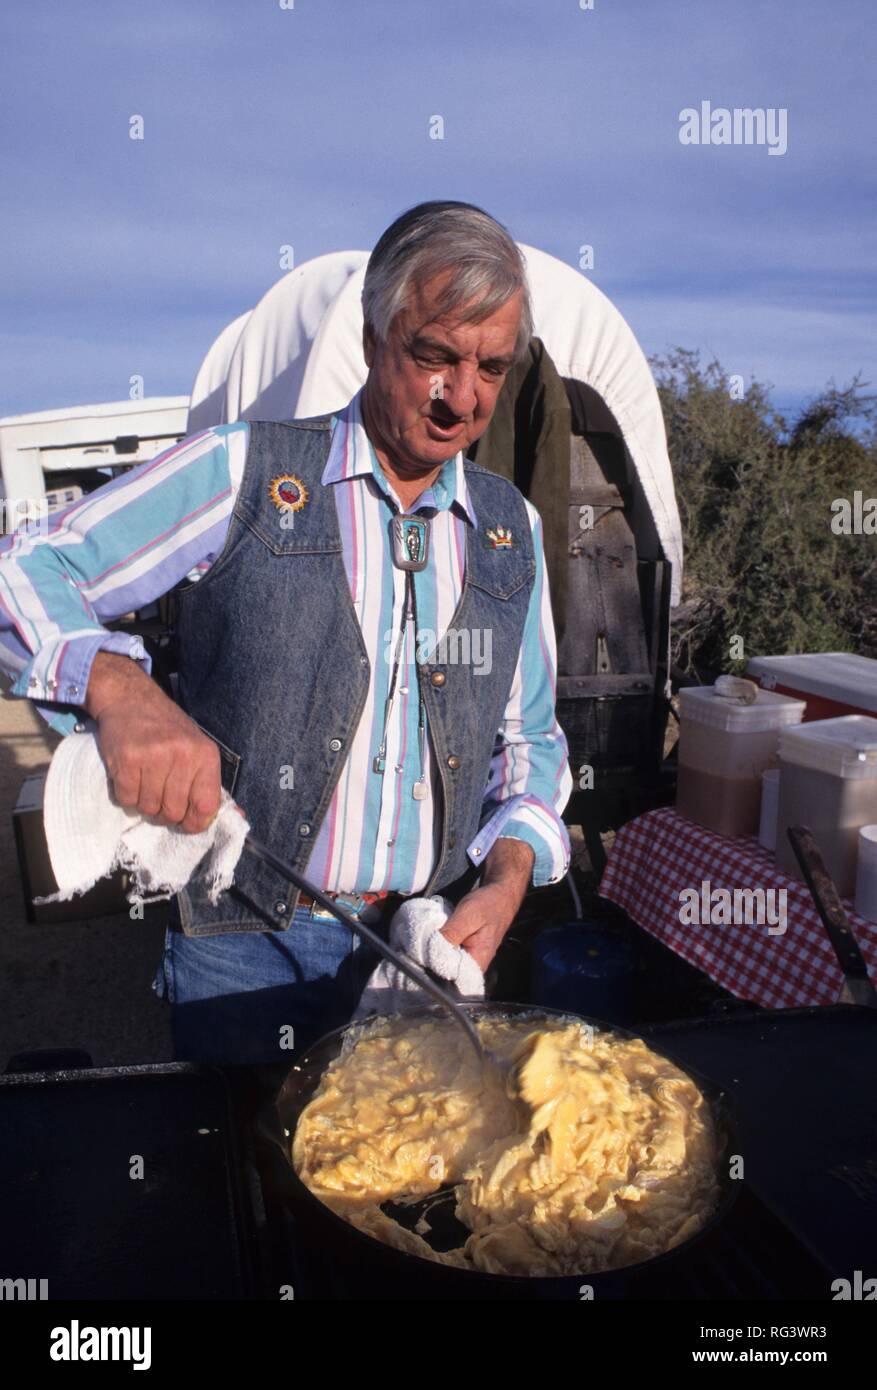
column 259, row 997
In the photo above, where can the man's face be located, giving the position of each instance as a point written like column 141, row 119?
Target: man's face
column 432, row 386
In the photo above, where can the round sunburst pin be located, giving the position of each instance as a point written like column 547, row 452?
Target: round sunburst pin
column 288, row 493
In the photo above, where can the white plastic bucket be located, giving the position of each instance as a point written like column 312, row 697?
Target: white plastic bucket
column 866, row 874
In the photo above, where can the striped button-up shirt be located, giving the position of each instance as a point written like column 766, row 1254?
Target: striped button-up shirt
column 132, row 540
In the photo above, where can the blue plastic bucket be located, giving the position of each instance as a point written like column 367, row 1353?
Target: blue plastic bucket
column 587, row 969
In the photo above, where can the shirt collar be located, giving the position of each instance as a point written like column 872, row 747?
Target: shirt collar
column 351, row 455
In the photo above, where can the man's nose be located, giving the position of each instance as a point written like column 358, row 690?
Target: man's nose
column 459, row 394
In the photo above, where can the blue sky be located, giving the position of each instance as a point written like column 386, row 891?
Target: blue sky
column 308, row 126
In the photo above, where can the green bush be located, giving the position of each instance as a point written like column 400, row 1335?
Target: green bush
column 762, row 562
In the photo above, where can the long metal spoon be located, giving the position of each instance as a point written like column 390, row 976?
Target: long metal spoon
column 407, row 967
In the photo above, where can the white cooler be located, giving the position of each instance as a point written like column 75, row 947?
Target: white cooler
column 832, row 683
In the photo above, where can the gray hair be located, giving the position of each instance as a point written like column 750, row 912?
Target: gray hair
column 440, row 236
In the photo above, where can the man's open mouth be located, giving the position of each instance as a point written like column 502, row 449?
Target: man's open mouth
column 445, row 426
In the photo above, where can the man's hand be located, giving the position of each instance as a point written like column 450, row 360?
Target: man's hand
column 481, row 919
column 158, row 760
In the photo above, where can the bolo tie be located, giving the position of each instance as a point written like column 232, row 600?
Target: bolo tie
column 410, row 553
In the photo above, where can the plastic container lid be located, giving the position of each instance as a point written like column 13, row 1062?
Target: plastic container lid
column 840, row 676
column 701, row 705
column 845, row 746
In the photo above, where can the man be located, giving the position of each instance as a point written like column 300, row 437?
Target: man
column 381, row 709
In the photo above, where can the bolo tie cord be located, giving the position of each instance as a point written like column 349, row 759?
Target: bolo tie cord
column 409, row 610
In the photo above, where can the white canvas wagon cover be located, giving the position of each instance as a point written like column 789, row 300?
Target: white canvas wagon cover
column 299, row 353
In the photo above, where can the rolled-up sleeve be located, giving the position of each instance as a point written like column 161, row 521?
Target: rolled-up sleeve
column 111, row 553
column 530, row 781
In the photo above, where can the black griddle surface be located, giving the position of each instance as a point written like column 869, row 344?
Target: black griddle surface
column 73, row 1214
column 804, row 1083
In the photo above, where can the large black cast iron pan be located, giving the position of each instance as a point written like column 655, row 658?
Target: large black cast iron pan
column 363, row 1264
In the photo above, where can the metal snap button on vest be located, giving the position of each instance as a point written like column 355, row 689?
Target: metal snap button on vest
column 453, row 762
column 280, row 908
column 304, row 828
column 437, row 678
column 363, row 661
column 335, row 745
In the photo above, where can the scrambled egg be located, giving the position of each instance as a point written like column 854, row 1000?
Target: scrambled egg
column 602, row 1154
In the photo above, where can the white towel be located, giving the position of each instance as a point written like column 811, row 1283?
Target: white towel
column 90, row 835
column 415, row 931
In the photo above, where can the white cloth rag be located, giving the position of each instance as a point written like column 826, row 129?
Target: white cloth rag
column 90, row 835
column 415, row 931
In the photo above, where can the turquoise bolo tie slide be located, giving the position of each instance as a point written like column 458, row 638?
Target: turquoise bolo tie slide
column 410, row 542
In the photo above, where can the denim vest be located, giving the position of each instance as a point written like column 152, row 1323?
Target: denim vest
column 272, row 666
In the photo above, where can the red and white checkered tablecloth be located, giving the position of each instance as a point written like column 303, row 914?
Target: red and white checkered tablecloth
column 659, row 854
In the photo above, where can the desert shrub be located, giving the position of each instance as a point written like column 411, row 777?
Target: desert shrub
column 763, row 564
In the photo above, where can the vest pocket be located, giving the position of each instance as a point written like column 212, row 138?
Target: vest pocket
column 303, row 536
column 502, row 578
